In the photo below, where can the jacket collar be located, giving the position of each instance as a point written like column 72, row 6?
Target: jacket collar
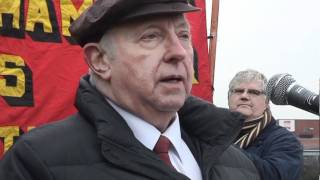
column 118, row 144
column 217, row 127
column 212, row 124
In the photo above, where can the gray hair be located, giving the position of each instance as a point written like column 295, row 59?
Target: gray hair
column 247, row 76
column 107, row 45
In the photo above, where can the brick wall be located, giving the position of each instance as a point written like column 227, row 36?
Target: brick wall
column 307, row 131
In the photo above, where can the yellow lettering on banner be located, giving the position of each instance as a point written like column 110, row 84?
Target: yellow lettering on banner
column 68, row 12
column 194, row 80
column 38, row 12
column 8, row 133
column 10, row 7
column 19, row 89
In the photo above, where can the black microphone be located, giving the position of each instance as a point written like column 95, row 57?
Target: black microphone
column 282, row 89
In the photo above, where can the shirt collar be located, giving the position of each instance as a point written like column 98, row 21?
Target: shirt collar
column 147, row 134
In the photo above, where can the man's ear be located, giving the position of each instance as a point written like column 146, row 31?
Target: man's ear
column 97, row 61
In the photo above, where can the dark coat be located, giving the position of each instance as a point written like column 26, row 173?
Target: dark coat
column 277, row 153
column 97, row 144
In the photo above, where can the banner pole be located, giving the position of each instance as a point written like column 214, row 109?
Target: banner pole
column 213, row 39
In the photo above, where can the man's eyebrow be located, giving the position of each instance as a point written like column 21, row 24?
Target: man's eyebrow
column 183, row 24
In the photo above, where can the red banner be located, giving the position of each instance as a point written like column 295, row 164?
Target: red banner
column 40, row 65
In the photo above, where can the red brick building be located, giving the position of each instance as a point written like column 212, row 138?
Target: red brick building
column 307, row 130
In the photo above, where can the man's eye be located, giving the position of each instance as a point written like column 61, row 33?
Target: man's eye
column 255, row 92
column 238, row 91
column 185, row 36
column 148, row 37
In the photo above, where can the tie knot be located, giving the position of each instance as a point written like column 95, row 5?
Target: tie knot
column 162, row 145
column 162, row 148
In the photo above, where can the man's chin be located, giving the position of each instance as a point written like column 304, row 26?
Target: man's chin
column 172, row 104
column 245, row 111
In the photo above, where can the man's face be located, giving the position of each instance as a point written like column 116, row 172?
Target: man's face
column 153, row 65
column 249, row 99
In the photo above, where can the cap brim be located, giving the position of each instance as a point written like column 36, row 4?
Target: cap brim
column 160, row 8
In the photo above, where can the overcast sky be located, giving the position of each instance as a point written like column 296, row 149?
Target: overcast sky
column 271, row 36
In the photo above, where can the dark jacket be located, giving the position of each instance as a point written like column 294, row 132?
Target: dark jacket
column 97, row 144
column 276, row 152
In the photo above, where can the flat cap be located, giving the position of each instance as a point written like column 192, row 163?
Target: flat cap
column 103, row 14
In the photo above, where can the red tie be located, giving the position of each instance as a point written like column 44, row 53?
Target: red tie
column 162, row 148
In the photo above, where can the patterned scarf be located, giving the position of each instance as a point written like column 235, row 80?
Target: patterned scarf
column 252, row 128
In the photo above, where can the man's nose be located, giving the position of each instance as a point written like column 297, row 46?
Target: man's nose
column 245, row 95
column 175, row 49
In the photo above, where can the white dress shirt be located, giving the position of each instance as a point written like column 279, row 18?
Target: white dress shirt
column 180, row 155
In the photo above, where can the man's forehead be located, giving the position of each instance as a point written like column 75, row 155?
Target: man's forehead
column 253, row 83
